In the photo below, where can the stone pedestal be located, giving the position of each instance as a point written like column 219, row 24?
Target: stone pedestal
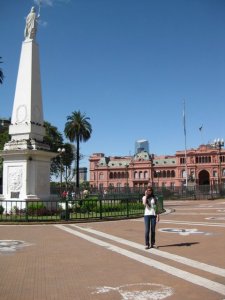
column 26, row 174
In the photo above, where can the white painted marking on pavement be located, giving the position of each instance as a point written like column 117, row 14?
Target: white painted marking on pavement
column 216, row 218
column 183, row 260
column 182, row 231
column 11, row 246
column 190, row 277
column 193, row 223
column 185, row 223
column 150, row 291
column 198, row 214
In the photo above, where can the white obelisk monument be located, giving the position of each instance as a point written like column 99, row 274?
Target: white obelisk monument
column 26, row 166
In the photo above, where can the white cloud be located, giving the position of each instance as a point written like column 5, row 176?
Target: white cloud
column 50, row 2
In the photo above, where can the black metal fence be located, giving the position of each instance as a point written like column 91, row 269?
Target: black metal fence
column 89, row 208
column 175, row 193
column 203, row 192
column 98, row 204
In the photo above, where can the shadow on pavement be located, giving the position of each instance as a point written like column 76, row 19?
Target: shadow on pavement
column 179, row 245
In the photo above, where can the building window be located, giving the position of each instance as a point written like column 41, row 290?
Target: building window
column 101, row 176
column 183, row 174
column 172, row 173
column 182, row 160
column 214, row 173
column 223, row 172
column 202, row 159
column 145, row 174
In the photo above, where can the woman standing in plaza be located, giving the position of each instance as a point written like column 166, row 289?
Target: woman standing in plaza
column 151, row 217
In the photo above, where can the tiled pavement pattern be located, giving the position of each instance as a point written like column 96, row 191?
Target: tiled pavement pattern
column 107, row 260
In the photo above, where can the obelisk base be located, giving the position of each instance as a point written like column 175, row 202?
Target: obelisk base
column 26, row 175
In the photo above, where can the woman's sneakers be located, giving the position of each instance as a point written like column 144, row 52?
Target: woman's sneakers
column 152, row 246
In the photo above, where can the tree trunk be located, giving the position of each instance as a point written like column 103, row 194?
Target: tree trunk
column 78, row 157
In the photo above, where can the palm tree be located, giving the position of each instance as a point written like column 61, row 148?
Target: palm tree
column 1, row 74
column 77, row 128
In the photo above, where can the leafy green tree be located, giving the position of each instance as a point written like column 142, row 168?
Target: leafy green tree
column 78, row 129
column 4, row 138
column 1, row 73
column 54, row 139
column 67, row 160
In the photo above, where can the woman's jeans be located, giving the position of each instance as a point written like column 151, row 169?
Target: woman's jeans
column 150, row 221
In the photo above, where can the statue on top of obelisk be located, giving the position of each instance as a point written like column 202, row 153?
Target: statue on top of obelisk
column 31, row 24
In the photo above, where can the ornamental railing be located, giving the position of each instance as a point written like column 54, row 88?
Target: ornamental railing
column 88, row 208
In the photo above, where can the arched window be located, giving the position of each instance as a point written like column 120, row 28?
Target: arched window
column 110, row 175
column 140, row 174
column 145, row 174
column 135, row 175
column 168, row 173
column 172, row 173
column 164, row 174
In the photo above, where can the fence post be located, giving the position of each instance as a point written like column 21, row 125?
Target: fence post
column 26, row 211
column 67, row 212
column 100, row 204
column 127, row 207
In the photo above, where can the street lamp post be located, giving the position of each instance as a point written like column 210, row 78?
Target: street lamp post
column 127, row 174
column 218, row 144
column 151, row 156
column 61, row 151
column 158, row 173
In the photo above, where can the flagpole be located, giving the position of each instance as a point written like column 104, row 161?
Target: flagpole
column 185, row 141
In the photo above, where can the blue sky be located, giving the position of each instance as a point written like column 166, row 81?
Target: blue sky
column 127, row 64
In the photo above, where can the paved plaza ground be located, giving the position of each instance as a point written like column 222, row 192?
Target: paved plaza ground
column 107, row 260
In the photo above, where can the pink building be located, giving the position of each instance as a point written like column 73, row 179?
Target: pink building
column 204, row 166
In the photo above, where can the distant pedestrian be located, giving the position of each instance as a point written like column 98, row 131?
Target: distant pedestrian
column 151, row 216
column 64, row 194
column 105, row 193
